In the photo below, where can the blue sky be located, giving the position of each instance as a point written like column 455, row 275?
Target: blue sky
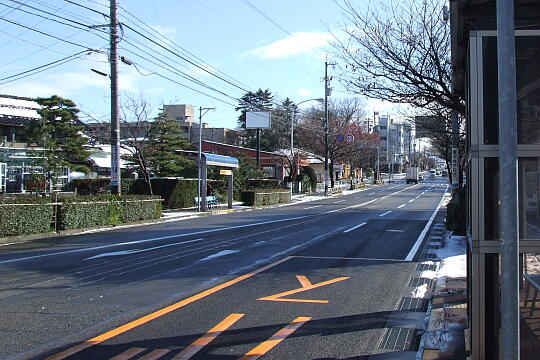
column 229, row 38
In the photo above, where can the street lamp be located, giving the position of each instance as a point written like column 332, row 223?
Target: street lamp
column 202, row 112
column 292, row 139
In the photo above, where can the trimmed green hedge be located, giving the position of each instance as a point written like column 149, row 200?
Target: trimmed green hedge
column 88, row 211
column 91, row 186
column 359, row 185
column 263, row 197
column 30, row 215
column 176, row 193
column 34, row 216
column 264, row 184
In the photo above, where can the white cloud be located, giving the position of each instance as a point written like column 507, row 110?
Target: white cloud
column 305, row 92
column 298, row 43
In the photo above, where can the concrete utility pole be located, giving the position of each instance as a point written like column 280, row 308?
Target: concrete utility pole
column 509, row 231
column 200, row 184
column 115, row 120
column 327, row 90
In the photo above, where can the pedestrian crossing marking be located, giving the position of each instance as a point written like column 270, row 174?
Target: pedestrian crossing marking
column 264, row 347
column 129, row 353
column 155, row 354
column 207, row 338
column 306, row 285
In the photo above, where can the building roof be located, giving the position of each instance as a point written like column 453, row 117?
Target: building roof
column 17, row 111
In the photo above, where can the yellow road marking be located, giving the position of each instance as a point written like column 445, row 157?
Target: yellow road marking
column 278, row 337
column 128, row 354
column 135, row 323
column 156, row 354
column 306, row 285
column 207, row 338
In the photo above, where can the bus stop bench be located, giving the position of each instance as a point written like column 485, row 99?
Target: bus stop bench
column 211, row 201
column 534, row 281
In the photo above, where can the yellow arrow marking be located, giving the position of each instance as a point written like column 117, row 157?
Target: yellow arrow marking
column 306, row 285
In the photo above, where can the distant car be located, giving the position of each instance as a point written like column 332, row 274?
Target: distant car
column 444, row 173
column 420, row 177
column 432, row 174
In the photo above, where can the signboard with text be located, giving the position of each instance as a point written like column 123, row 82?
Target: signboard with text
column 454, row 167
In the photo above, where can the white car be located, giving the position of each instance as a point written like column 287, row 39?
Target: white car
column 432, row 174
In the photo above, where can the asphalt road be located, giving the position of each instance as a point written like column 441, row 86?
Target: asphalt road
column 317, row 280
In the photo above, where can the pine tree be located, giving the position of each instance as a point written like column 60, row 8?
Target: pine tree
column 164, row 139
column 59, row 133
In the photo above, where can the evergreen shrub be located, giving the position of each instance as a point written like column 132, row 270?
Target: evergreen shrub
column 34, row 217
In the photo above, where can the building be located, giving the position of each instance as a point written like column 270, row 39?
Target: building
column 273, row 164
column 396, row 143
column 189, row 126
column 475, row 78
column 16, row 113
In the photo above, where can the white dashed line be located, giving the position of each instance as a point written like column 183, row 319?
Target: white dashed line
column 400, row 206
column 396, row 231
column 371, row 193
column 411, row 200
column 340, row 201
column 418, row 196
column 355, row 227
column 385, row 213
column 312, row 207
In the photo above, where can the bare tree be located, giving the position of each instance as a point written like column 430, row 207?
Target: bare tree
column 398, row 51
column 344, row 119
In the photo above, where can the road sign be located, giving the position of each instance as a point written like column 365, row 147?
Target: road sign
column 225, row 172
column 340, row 138
column 455, row 168
column 349, row 138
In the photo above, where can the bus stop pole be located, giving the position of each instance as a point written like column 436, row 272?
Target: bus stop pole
column 509, row 233
column 230, row 190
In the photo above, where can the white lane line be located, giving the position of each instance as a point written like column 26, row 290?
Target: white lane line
column 152, row 239
column 371, row 193
column 385, row 213
column 395, row 231
column 418, row 196
column 400, row 206
column 136, row 251
column 411, row 200
column 355, row 227
column 312, row 207
column 420, row 239
column 337, row 202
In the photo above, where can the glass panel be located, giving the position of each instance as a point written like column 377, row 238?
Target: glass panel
column 529, row 209
column 491, row 198
column 528, row 89
column 492, row 306
column 529, row 308
column 491, row 83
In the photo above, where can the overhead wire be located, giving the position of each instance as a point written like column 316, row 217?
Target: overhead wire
column 41, row 68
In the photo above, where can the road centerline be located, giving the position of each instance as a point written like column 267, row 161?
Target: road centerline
column 385, row 213
column 355, row 227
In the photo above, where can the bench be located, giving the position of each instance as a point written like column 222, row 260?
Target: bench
column 534, row 281
column 211, row 201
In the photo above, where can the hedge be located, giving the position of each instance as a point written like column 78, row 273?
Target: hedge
column 88, row 211
column 359, row 185
column 25, row 216
column 99, row 186
column 264, row 184
column 176, row 193
column 263, row 197
column 30, row 215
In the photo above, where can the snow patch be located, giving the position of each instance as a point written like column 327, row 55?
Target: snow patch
column 420, row 291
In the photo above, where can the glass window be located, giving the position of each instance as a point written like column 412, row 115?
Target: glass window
column 528, row 89
column 491, row 198
column 529, row 209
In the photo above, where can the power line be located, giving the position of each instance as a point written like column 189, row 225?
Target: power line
column 41, row 68
column 43, row 33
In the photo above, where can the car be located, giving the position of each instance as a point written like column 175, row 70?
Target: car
column 420, row 177
column 432, row 174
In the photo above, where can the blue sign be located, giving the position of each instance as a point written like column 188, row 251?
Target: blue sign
column 340, row 138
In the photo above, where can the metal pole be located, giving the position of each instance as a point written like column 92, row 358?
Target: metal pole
column 199, row 156
column 258, row 147
column 326, row 177
column 115, row 120
column 509, row 231
column 292, row 152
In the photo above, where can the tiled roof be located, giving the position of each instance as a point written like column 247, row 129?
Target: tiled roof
column 14, row 120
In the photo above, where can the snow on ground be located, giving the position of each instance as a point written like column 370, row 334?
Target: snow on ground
column 453, row 258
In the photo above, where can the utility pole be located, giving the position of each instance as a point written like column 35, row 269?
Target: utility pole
column 327, row 91
column 201, row 177
column 508, row 189
column 115, row 120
